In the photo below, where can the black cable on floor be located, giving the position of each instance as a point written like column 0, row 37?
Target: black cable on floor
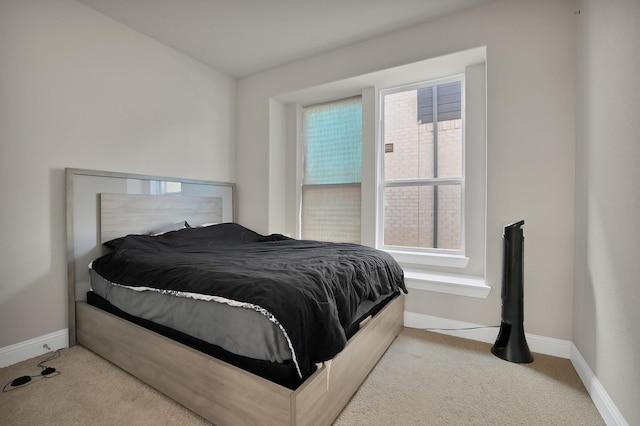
column 23, row 381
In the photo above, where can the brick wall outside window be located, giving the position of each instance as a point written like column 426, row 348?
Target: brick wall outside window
column 409, row 210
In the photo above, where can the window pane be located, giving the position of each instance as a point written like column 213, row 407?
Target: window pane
column 408, row 216
column 331, row 213
column 450, row 149
column 411, row 153
column 333, row 142
column 409, row 141
column 423, row 216
column 449, row 101
column 449, row 216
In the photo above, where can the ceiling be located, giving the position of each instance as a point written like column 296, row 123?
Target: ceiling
column 243, row 37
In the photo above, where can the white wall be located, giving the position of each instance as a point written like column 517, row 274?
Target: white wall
column 607, row 292
column 531, row 143
column 78, row 89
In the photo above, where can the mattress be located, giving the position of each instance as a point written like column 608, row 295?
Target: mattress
column 237, row 329
column 283, row 373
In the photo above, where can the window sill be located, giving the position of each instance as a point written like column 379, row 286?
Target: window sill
column 462, row 285
column 429, row 259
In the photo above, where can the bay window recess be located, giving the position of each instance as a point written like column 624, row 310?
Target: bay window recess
column 401, row 167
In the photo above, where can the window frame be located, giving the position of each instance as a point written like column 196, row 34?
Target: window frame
column 419, row 255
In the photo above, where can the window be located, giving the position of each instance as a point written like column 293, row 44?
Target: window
column 455, row 262
column 423, row 167
column 331, row 186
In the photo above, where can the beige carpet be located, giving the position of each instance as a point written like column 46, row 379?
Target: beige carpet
column 423, row 379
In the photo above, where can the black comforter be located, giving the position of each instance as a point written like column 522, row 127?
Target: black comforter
column 310, row 288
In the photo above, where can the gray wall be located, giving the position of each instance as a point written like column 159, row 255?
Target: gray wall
column 607, row 290
column 78, row 89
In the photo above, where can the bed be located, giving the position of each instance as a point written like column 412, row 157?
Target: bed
column 218, row 388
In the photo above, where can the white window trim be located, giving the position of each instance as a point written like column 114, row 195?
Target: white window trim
column 419, row 264
column 429, row 257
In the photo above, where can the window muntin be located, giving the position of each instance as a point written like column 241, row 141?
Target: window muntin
column 331, row 186
column 423, row 166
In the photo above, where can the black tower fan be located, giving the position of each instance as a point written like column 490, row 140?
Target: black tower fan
column 511, row 344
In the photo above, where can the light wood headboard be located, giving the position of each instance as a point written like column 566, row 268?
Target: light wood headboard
column 106, row 205
column 123, row 214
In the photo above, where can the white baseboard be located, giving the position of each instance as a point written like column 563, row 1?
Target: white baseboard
column 540, row 344
column 13, row 354
column 608, row 410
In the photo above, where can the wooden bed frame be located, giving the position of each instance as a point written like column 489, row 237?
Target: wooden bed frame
column 220, row 392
